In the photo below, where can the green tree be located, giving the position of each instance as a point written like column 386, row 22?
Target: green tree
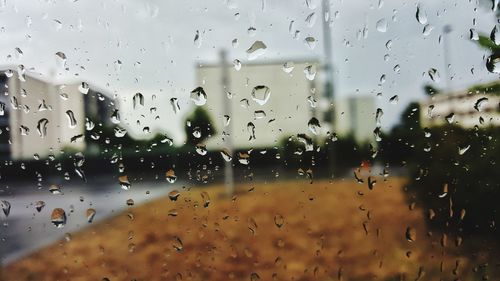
column 198, row 122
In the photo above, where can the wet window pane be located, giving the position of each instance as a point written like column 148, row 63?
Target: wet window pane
column 249, row 140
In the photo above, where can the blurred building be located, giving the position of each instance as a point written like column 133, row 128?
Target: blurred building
column 260, row 120
column 42, row 118
column 479, row 106
column 355, row 116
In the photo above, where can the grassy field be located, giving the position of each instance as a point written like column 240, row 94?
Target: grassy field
column 290, row 230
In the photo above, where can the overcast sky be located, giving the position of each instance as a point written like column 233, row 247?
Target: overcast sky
column 154, row 40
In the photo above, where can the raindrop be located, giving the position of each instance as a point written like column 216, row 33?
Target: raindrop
column 61, row 59
column 257, row 49
column 130, row 202
column 259, row 114
column 115, row 117
column 381, row 25
column 493, row 63
column 312, row 101
column 138, row 100
column 89, row 125
column 24, row 130
column 310, row 42
column 428, row 28
column 463, row 149
column 279, row 220
column 450, row 117
column 251, row 131
column 177, row 244
column 58, row 217
column 39, row 206
column 411, row 234
column 421, row 15
column 288, row 67
column 170, row 176
column 174, row 195
column 237, row 64
column 201, row 149
column 310, row 72
column 495, row 35
column 307, row 141
column 197, row 132
column 206, row 199
column 260, row 94
column 124, row 183
column 226, row 155
column 55, row 189
column 90, row 215
column 480, row 103
column 378, row 116
column 41, row 127
column 83, row 88
column 311, row 19
column 175, row 105
column 71, row 118
column 227, row 120
column 197, row 39
column 244, row 158
column 198, row 96
column 19, row 53
column 473, row 35
column 434, row 75
column 120, row 132
column 5, row 207
column 314, row 125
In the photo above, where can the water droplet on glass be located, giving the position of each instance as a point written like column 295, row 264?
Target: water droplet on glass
column 495, row 35
column 381, row 25
column 61, row 59
column 473, row 35
column 198, row 96
column 5, row 207
column 174, row 195
column 83, row 88
column 257, row 49
column 58, row 217
column 177, row 244
column 480, row 103
column 201, row 149
column 463, row 149
column 124, row 183
column 307, row 141
column 378, row 116
column 260, row 94
column 314, row 125
column 310, row 72
column 434, row 75
column 138, row 100
column 237, row 64
column 120, row 132
column 206, row 199
column 450, row 117
column 251, row 131
column 288, row 67
column 39, row 205
column 226, row 155
column 394, row 99
column 493, row 63
column 310, row 42
column 71, row 118
column 90, row 213
column 411, row 234
column 41, row 127
column 311, row 19
column 197, row 39
column 170, row 176
column 421, row 15
column 55, row 189
column 279, row 220
column 428, row 28
column 259, row 114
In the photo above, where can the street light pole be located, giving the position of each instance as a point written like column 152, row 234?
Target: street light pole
column 227, row 134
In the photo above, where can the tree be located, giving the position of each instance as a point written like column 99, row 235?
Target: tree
column 198, row 126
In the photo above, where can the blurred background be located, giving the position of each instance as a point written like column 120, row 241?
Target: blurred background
column 225, row 139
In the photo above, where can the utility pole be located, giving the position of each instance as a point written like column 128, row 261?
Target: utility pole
column 228, row 132
column 447, row 30
column 328, row 93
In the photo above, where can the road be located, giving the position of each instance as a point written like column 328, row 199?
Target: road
column 25, row 230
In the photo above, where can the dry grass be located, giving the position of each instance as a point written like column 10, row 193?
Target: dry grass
column 322, row 238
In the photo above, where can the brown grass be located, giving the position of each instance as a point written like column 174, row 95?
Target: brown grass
column 322, row 238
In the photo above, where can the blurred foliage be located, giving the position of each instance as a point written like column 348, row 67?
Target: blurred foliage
column 199, row 119
column 431, row 90
column 491, row 88
column 472, row 178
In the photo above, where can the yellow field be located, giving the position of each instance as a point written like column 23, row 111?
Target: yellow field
column 336, row 230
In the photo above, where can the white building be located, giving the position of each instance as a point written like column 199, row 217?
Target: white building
column 40, row 117
column 466, row 109
column 277, row 112
column 355, row 115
